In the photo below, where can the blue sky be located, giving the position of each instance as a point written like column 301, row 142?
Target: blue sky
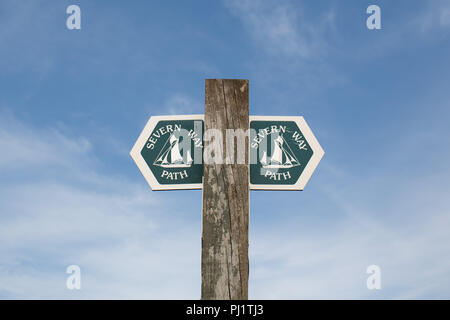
column 73, row 102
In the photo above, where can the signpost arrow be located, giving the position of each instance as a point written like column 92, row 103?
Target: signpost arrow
column 169, row 152
column 284, row 153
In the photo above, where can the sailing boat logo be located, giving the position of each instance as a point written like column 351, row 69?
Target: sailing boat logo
column 282, row 156
column 170, row 155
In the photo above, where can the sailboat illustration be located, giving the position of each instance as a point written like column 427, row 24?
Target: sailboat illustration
column 170, row 156
column 281, row 157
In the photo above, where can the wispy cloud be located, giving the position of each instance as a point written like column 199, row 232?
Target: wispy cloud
column 26, row 148
column 117, row 231
column 435, row 16
column 290, row 45
column 131, row 243
column 281, row 29
column 403, row 228
column 331, row 264
column 182, row 104
column 445, row 17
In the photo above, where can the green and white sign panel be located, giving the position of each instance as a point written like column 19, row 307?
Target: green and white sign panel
column 286, row 153
column 283, row 152
column 169, row 152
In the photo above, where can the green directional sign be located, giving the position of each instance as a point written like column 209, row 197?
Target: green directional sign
column 283, row 153
column 169, row 152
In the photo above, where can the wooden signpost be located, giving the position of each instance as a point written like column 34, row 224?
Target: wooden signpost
column 226, row 153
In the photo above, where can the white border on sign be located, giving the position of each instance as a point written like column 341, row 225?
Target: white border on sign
column 143, row 166
column 312, row 163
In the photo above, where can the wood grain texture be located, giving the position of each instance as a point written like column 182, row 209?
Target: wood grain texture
column 225, row 216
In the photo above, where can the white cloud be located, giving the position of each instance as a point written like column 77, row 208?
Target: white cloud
column 25, row 147
column 129, row 242
column 289, row 45
column 132, row 243
column 298, row 257
column 181, row 104
column 445, row 17
column 417, row 25
column 274, row 27
column 281, row 29
column 434, row 18
column 177, row 104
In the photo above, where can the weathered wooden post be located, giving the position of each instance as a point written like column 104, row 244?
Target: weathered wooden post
column 225, row 216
